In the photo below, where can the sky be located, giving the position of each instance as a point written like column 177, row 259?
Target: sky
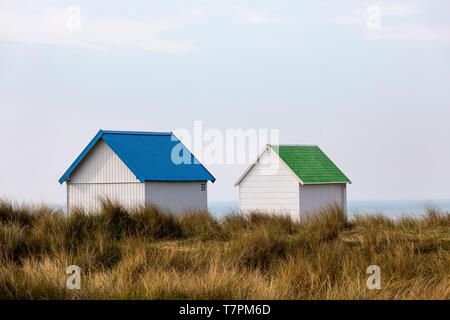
column 369, row 82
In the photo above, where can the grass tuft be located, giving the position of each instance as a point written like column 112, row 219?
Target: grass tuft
column 148, row 253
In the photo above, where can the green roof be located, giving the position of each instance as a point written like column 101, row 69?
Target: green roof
column 310, row 164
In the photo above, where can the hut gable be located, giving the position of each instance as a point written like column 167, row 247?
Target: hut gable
column 102, row 165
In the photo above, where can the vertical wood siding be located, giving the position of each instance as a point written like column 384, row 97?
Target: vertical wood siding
column 316, row 196
column 87, row 195
column 103, row 174
column 274, row 192
column 177, row 196
column 102, row 165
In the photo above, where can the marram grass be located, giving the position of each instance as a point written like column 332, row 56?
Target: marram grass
column 146, row 253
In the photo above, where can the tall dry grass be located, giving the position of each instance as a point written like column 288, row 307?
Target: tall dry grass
column 146, row 253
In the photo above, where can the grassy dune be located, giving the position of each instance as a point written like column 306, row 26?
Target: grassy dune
column 149, row 254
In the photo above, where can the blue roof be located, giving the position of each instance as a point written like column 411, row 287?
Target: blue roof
column 149, row 156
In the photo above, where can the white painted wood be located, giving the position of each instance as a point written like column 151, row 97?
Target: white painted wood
column 316, row 196
column 102, row 165
column 177, row 196
column 103, row 174
column 86, row 195
column 275, row 156
column 266, row 189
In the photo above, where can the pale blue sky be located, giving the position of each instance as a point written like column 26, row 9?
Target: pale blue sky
column 376, row 101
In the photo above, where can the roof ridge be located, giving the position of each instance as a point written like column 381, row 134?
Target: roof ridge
column 150, row 133
column 294, row 145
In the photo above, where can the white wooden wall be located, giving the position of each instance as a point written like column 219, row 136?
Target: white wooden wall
column 87, row 195
column 102, row 165
column 103, row 174
column 177, row 196
column 270, row 191
column 316, row 196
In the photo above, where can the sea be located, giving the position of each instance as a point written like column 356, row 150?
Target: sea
column 390, row 208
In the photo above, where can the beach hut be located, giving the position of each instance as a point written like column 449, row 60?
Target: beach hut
column 291, row 179
column 134, row 168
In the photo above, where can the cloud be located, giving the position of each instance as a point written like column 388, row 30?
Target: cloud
column 52, row 26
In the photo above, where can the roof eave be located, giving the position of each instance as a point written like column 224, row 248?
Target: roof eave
column 81, row 156
column 178, row 180
column 331, row 182
column 212, row 178
column 250, row 167
column 259, row 156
